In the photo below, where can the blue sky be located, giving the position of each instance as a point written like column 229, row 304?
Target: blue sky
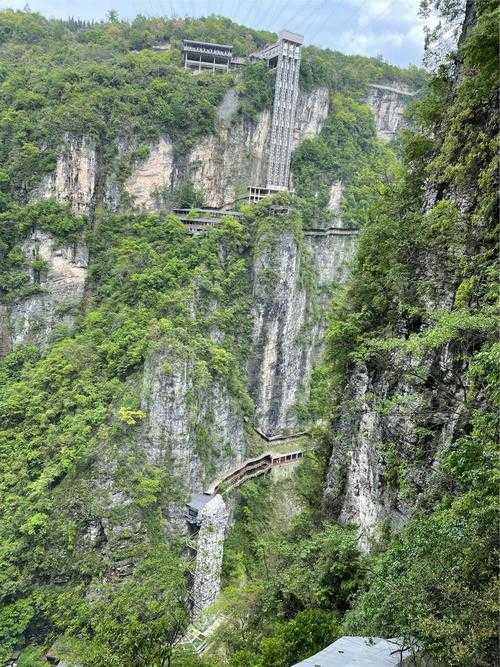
column 391, row 28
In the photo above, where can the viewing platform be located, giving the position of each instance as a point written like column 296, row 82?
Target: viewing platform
column 200, row 220
column 205, row 55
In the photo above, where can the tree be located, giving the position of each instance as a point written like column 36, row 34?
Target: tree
column 112, row 16
column 140, row 621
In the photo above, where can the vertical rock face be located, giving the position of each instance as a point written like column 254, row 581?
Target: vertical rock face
column 222, row 165
column 312, row 111
column 182, row 420
column 278, row 360
column 210, row 550
column 61, row 285
column 153, row 175
column 377, row 452
column 287, row 333
column 335, row 201
column 74, row 180
column 356, row 487
column 388, row 103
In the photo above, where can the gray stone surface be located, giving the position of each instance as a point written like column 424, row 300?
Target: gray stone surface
column 75, row 178
column 34, row 319
column 357, row 487
column 287, row 335
column 152, row 176
column 388, row 103
column 175, row 408
column 210, row 550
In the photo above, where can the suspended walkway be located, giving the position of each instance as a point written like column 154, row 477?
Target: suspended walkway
column 260, row 465
column 201, row 220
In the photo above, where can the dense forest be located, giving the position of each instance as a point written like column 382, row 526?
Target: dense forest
column 93, row 571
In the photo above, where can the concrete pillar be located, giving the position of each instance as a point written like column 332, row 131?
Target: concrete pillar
column 210, row 550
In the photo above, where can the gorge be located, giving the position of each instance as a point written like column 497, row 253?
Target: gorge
column 350, row 319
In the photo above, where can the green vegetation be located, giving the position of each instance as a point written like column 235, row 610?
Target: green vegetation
column 346, row 151
column 69, row 412
column 423, row 290
column 73, row 411
column 104, row 80
column 430, row 270
column 83, row 557
column 286, row 587
column 352, row 74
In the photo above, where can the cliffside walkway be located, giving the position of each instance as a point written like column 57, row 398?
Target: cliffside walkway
column 200, row 220
column 236, row 476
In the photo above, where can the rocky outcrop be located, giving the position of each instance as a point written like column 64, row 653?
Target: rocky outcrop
column 196, row 430
column 59, row 285
column 209, row 552
column 288, row 315
column 335, row 201
column 388, row 103
column 312, row 111
column 75, row 178
column 223, row 165
column 357, row 489
column 154, row 175
column 227, row 162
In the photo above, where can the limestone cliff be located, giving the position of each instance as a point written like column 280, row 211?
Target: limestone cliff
column 388, row 102
column 289, row 321
column 196, row 430
column 412, row 400
column 221, row 166
column 154, row 175
column 75, row 178
column 57, row 290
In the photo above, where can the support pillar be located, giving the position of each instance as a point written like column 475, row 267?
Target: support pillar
column 214, row 518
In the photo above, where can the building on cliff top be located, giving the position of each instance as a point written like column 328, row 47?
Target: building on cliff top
column 284, row 57
column 205, row 55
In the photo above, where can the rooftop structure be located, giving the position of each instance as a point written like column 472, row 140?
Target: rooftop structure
column 194, row 507
column 205, row 55
column 359, row 651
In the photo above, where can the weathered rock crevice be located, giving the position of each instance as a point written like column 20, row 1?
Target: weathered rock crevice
column 198, row 430
column 58, row 291
column 388, row 101
column 289, row 322
column 393, row 423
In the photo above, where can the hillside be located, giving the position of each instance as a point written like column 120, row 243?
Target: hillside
column 353, row 318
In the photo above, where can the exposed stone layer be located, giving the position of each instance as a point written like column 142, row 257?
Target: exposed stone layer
column 222, row 165
column 312, row 111
column 388, row 103
column 288, row 327
column 210, row 550
column 183, row 419
column 360, row 485
column 61, row 287
column 75, row 178
column 154, row 175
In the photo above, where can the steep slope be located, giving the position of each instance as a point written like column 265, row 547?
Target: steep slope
column 138, row 358
column 399, row 535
